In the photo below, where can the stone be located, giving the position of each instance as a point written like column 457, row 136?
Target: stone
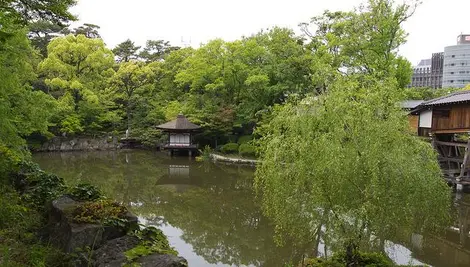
column 73, row 237
column 162, row 260
column 78, row 144
column 112, row 254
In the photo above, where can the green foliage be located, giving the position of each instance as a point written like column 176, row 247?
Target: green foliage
column 423, row 93
column 229, row 148
column 19, row 244
column 77, row 70
column 39, row 187
column 152, row 240
column 100, row 211
column 244, row 139
column 126, row 51
column 85, row 192
column 344, row 161
column 247, row 150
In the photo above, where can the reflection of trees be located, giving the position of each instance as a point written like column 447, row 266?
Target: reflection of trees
column 452, row 247
column 215, row 206
column 221, row 220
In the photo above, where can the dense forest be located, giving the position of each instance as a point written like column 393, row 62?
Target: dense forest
column 68, row 82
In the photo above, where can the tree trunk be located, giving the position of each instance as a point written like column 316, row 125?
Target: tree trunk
column 128, row 111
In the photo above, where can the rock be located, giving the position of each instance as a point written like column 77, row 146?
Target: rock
column 73, row 237
column 79, row 144
column 112, row 254
column 162, row 260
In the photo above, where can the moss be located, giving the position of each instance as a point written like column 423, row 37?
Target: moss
column 101, row 211
column 152, row 240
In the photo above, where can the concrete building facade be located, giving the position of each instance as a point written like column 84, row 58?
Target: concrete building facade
column 428, row 73
column 422, row 74
column 457, row 63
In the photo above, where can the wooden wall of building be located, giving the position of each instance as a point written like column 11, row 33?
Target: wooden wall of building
column 413, row 120
column 451, row 118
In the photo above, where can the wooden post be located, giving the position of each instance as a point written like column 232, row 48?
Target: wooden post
column 465, row 159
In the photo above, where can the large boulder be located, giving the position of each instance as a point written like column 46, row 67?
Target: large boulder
column 73, row 237
column 112, row 254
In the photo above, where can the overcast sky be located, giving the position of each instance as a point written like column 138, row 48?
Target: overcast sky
column 435, row 24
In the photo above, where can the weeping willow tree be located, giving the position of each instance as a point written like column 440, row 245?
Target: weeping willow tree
column 342, row 166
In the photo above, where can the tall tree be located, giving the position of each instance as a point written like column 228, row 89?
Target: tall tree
column 23, row 111
column 129, row 81
column 20, row 12
column 87, row 29
column 126, row 51
column 41, row 32
column 77, row 69
column 343, row 165
column 156, row 50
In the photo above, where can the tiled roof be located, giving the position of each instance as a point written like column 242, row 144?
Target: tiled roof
column 181, row 123
column 457, row 97
column 411, row 104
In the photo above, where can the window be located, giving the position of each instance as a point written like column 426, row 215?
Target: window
column 453, row 56
column 452, row 72
column 452, row 64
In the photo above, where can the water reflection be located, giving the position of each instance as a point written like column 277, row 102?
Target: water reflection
column 211, row 215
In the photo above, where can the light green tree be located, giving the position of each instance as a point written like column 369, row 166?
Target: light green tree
column 342, row 165
column 129, row 83
column 77, row 70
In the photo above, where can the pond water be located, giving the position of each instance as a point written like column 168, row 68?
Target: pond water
column 212, row 217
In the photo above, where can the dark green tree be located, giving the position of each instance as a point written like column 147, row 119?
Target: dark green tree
column 156, row 50
column 126, row 51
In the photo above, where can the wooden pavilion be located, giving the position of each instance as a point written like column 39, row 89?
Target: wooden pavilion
column 180, row 135
column 447, row 120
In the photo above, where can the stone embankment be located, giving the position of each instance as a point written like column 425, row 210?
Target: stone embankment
column 220, row 158
column 78, row 144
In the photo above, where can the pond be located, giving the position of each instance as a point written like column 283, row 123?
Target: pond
column 212, row 217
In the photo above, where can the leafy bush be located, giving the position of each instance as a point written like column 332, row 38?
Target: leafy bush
column 230, row 148
column 150, row 137
column 19, row 244
column 244, row 139
column 39, row 186
column 85, row 192
column 247, row 150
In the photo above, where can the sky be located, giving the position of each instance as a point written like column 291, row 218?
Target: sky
column 436, row 23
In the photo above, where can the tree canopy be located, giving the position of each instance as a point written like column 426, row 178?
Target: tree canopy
column 343, row 165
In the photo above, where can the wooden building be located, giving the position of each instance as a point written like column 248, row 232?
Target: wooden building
column 413, row 119
column 447, row 120
column 180, row 135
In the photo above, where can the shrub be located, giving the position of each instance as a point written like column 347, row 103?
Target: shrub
column 85, row 192
column 230, row 148
column 247, row 150
column 244, row 139
column 39, row 186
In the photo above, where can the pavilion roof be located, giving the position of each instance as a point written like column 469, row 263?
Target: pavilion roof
column 180, row 123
